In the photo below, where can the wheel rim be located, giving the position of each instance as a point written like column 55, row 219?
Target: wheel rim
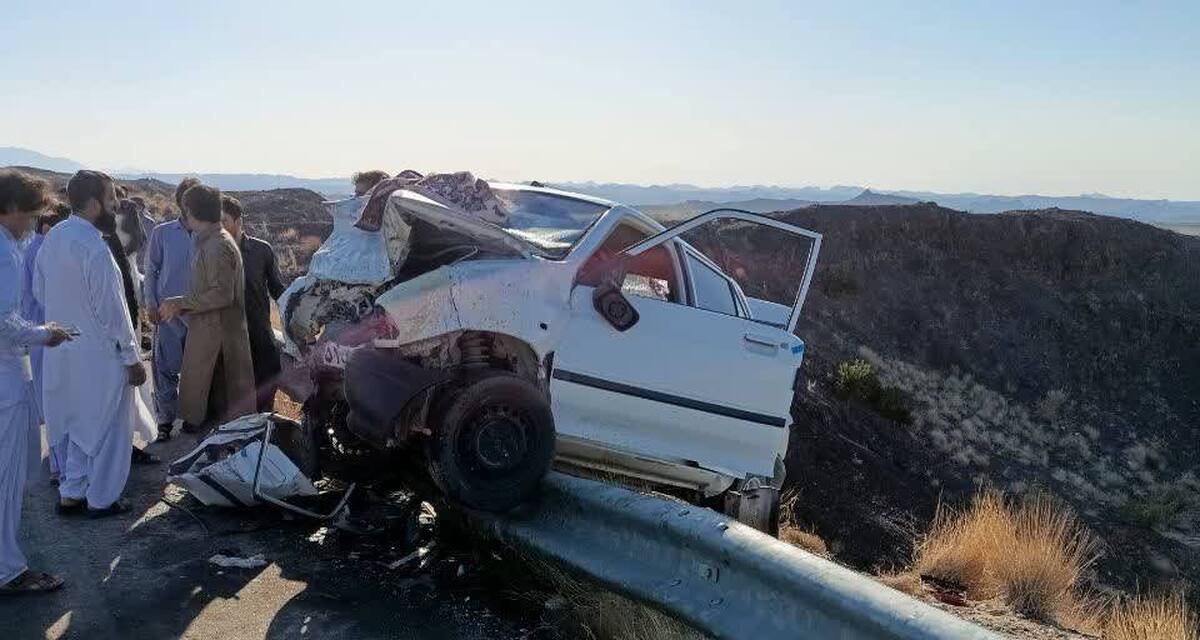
column 496, row 441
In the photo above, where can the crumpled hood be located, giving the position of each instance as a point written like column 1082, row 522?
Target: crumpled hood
column 495, row 237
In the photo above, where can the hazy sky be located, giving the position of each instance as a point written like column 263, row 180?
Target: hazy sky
column 1001, row 97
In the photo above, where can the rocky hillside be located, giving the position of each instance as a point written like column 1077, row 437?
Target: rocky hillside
column 1048, row 350
column 293, row 220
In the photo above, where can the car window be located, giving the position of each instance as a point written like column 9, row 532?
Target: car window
column 649, row 275
column 550, row 221
column 712, row 291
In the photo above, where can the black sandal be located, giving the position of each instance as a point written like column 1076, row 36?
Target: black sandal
column 114, row 509
column 31, row 582
column 73, row 508
column 141, row 456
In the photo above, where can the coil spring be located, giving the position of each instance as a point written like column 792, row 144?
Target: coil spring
column 476, row 350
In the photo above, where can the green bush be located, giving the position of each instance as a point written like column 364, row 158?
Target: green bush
column 1159, row 509
column 857, row 379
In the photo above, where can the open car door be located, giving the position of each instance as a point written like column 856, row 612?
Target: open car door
column 695, row 375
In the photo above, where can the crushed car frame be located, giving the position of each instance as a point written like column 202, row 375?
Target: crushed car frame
column 581, row 330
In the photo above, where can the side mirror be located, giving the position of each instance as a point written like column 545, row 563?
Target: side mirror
column 614, row 307
column 610, row 302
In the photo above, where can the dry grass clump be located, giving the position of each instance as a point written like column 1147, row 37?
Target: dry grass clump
column 966, row 547
column 806, row 540
column 905, row 582
column 1032, row 554
column 1152, row 618
column 1038, row 574
column 792, row 533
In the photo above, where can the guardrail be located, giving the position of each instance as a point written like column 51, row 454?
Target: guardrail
column 720, row 576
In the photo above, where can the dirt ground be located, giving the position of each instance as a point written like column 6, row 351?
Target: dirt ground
column 148, row 575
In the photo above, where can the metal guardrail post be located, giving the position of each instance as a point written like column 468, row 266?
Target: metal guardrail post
column 720, row 576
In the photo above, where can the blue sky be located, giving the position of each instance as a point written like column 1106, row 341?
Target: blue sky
column 998, row 97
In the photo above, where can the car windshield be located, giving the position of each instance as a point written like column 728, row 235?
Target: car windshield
column 551, row 222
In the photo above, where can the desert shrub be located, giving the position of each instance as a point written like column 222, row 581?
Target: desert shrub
column 1158, row 509
column 1045, row 560
column 1032, row 554
column 857, row 379
column 1051, row 404
column 904, row 582
column 807, row 540
column 792, row 533
column 1152, row 618
column 963, row 547
column 838, row 280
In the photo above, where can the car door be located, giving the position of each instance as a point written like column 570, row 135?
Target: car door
column 694, row 382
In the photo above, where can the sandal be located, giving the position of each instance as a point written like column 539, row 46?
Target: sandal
column 114, row 509
column 68, row 507
column 141, row 456
column 31, row 582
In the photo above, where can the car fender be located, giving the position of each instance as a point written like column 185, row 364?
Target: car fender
column 528, row 299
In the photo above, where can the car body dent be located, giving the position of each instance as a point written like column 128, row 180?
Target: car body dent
column 527, row 299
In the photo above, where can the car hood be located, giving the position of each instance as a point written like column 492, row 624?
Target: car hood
column 493, row 236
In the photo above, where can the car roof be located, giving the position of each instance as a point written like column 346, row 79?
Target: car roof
column 557, row 192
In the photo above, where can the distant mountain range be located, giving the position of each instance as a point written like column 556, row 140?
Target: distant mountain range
column 332, row 188
column 674, row 200
column 768, row 198
column 18, row 157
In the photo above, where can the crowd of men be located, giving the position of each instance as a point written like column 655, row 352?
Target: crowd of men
column 72, row 300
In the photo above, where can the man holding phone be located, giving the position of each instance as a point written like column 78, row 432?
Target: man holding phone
column 89, row 384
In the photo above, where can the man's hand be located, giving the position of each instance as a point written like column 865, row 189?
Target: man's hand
column 58, row 335
column 153, row 315
column 137, row 374
column 170, row 309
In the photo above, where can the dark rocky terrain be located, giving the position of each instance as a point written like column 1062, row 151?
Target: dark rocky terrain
column 1048, row 350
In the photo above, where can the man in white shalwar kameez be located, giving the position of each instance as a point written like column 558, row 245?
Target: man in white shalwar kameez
column 21, row 197
column 89, row 386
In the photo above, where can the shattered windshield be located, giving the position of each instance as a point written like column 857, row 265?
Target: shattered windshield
column 549, row 221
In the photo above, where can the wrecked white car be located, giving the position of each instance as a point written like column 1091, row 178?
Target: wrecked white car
column 563, row 327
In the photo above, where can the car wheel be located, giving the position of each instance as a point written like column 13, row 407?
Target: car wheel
column 298, row 441
column 493, row 443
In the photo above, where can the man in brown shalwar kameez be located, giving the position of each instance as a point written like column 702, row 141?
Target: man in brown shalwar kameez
column 216, row 357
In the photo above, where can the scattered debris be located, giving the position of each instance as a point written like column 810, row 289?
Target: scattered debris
column 222, row 469
column 420, row 557
column 256, row 561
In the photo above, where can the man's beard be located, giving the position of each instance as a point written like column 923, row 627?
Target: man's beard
column 106, row 222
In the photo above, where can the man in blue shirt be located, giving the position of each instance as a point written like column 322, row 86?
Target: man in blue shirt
column 21, row 197
column 32, row 311
column 168, row 275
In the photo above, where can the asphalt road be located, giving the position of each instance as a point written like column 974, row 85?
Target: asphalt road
column 148, row 575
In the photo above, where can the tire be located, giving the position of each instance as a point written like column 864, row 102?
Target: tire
column 493, row 444
column 298, row 440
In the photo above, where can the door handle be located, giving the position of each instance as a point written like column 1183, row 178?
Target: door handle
column 761, row 341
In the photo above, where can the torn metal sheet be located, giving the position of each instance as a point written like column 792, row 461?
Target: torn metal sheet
column 221, row 470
